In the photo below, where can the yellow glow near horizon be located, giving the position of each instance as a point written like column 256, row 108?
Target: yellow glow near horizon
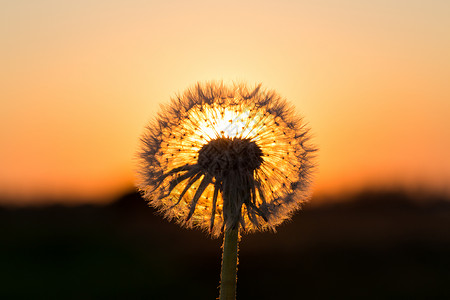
column 80, row 79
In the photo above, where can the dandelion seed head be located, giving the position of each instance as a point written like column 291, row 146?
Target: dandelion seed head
column 226, row 156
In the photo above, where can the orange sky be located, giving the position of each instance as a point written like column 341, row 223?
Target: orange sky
column 80, row 80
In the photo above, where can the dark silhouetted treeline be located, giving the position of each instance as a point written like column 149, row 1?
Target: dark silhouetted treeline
column 373, row 245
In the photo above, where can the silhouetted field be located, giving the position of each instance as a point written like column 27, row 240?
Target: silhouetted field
column 376, row 245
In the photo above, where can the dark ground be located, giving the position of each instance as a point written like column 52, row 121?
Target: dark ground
column 376, row 245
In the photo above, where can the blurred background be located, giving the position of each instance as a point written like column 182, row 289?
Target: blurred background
column 81, row 79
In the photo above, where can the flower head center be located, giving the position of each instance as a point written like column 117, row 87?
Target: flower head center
column 219, row 156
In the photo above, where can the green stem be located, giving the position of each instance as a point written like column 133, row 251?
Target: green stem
column 229, row 265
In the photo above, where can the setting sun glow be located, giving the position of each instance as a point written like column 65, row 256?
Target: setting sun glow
column 80, row 79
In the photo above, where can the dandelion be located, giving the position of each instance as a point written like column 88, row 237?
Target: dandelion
column 226, row 159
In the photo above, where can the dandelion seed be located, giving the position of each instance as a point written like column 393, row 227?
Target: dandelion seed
column 235, row 151
column 241, row 155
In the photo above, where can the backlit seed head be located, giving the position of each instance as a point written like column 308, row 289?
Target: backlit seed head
column 222, row 157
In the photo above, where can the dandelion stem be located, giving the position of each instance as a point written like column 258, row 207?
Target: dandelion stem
column 229, row 265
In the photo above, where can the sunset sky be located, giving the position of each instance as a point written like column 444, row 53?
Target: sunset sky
column 79, row 80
